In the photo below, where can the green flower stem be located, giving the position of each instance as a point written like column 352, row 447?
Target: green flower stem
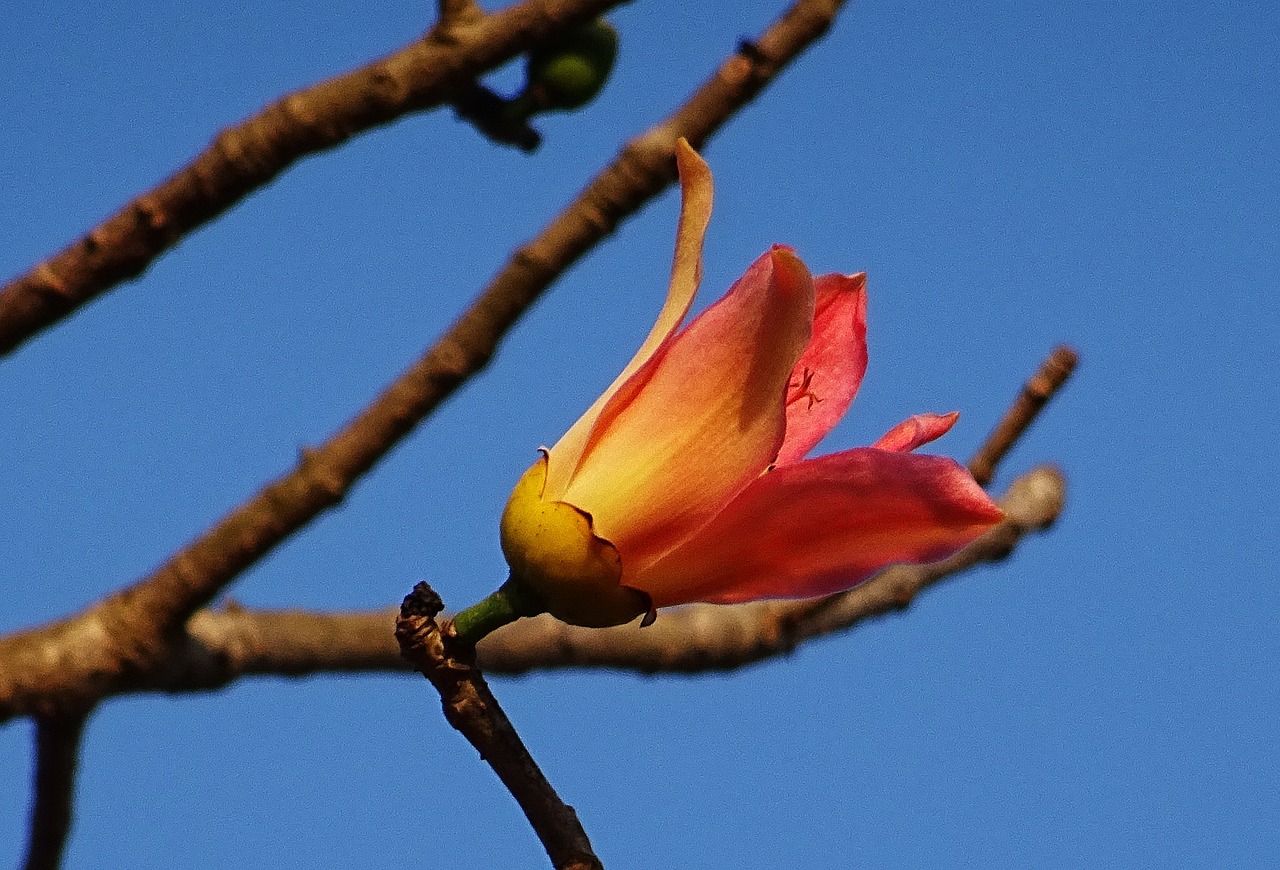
column 512, row 601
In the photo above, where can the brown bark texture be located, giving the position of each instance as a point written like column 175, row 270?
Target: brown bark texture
column 472, row 709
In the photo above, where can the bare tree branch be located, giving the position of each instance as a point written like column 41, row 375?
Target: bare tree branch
column 57, row 750
column 115, row 645
column 472, row 709
column 243, row 158
column 1036, row 393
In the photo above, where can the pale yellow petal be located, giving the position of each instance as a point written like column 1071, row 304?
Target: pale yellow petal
column 686, row 274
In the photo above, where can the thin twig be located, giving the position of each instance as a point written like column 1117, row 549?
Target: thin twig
column 472, row 709
column 1036, row 393
column 243, row 158
column 57, row 752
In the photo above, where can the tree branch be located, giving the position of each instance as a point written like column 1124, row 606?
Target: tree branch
column 57, row 752
column 116, row 645
column 243, row 158
column 472, row 709
column 1036, row 393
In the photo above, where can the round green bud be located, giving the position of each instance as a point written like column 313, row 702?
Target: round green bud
column 567, row 73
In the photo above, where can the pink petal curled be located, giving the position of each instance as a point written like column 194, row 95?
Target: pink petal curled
column 916, row 431
column 697, row 423
column 828, row 375
column 686, row 273
column 823, row 525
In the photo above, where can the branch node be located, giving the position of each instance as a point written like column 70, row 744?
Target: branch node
column 423, row 601
column 455, row 16
column 750, row 50
column 313, row 465
column 49, row 284
column 426, row 644
column 150, row 217
column 902, row 594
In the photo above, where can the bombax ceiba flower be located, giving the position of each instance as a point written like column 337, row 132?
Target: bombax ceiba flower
column 687, row 479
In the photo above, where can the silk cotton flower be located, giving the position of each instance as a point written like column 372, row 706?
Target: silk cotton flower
column 687, row 479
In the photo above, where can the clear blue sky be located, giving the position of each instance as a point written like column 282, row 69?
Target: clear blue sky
column 1010, row 175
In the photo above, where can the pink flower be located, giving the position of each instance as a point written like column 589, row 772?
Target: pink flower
column 686, row 481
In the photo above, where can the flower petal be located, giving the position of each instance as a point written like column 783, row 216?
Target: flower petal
column 916, row 431
column 700, row 421
column 686, row 273
column 823, row 525
column 828, row 375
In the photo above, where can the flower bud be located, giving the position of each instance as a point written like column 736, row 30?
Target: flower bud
column 568, row 73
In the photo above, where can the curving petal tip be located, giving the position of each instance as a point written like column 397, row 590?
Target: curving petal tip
column 709, row 417
column 696, row 195
column 917, row 431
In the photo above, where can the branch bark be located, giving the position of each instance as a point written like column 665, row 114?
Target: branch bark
column 57, row 751
column 243, row 158
column 472, row 709
column 1036, row 393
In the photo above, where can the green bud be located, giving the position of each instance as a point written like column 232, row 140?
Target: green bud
column 568, row 73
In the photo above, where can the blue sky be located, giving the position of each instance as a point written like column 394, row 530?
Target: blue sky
column 1011, row 175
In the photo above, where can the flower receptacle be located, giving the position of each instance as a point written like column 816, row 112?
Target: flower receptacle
column 552, row 549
